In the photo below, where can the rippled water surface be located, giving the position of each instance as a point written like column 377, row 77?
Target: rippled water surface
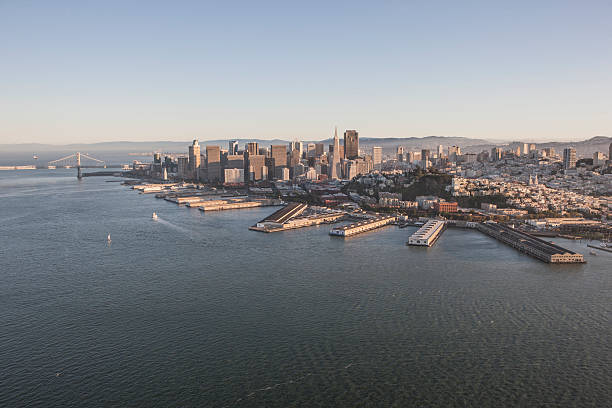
column 195, row 310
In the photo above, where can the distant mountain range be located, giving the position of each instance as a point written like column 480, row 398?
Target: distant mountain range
column 114, row 152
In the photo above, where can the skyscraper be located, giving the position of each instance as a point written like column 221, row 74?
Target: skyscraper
column 310, row 150
column 598, row 158
column 400, row 153
column 610, row 153
column 496, row 154
column 252, row 148
column 233, row 147
column 319, row 149
column 569, row 158
column 351, row 144
column 296, row 145
column 213, row 164
column 377, row 157
column 453, row 152
column 257, row 167
column 194, row 159
column 425, row 154
column 279, row 154
column 334, row 160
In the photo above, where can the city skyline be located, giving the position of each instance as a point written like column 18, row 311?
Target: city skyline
column 90, row 73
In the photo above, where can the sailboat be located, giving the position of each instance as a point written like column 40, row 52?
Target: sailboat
column 154, row 216
column 108, row 239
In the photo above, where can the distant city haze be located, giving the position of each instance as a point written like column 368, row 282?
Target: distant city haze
column 80, row 72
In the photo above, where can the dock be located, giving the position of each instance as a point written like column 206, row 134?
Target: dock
column 223, row 205
column 533, row 246
column 428, row 234
column 277, row 219
column 362, row 226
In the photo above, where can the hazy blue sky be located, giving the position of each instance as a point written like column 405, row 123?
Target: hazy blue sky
column 176, row 70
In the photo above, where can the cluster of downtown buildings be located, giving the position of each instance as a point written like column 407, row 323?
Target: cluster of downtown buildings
column 253, row 163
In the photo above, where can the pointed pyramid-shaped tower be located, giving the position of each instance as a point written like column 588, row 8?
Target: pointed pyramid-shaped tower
column 334, row 160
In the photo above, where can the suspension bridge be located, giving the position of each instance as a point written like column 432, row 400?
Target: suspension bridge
column 78, row 160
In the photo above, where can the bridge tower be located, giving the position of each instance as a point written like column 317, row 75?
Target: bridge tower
column 78, row 160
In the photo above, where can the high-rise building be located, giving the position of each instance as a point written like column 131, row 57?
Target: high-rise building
column 351, row 144
column 334, row 168
column 234, row 161
column 319, row 149
column 294, row 158
column 279, row 154
column 252, row 148
column 532, row 147
column 525, row 150
column 440, row 151
column 296, row 145
column 549, row 151
column 610, row 153
column 425, row 154
column 257, row 167
column 453, row 153
column 194, row 159
column 496, row 154
column 213, row 164
column 400, row 153
column 598, row 158
column 310, row 150
column 377, row 157
column 183, row 167
column 233, row 147
column 569, row 158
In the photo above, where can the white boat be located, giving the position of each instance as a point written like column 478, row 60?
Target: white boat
column 108, row 238
column 154, row 216
column 593, row 252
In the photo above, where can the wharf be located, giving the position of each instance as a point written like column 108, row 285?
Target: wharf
column 300, row 222
column 276, row 220
column 533, row 246
column 428, row 234
column 363, row 226
column 238, row 205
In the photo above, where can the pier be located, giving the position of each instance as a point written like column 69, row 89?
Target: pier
column 362, row 226
column 324, row 217
column 276, row 220
column 235, row 205
column 533, row 246
column 428, row 234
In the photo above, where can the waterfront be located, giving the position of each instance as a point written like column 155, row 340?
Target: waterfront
column 196, row 310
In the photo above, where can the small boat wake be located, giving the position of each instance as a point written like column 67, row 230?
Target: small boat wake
column 178, row 228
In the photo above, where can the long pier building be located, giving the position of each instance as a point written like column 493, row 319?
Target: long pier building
column 536, row 247
column 428, row 234
column 362, row 226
